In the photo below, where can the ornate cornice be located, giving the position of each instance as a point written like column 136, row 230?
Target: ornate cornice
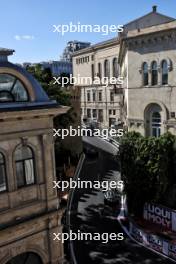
column 151, row 39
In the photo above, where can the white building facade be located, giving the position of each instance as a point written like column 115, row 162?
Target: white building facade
column 148, row 53
column 99, row 101
column 146, row 57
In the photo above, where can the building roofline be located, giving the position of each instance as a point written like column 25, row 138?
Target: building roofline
column 98, row 45
column 135, row 20
column 150, row 30
column 153, row 30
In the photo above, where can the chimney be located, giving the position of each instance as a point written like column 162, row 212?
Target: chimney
column 154, row 8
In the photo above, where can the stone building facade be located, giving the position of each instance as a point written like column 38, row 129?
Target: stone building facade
column 147, row 59
column 146, row 53
column 99, row 101
column 29, row 207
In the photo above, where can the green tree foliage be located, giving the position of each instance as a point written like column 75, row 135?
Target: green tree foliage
column 147, row 168
column 62, row 96
column 54, row 91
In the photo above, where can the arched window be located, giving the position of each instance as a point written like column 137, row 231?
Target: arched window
column 12, row 89
column 3, row 183
column 164, row 67
column 26, row 258
column 99, row 70
column 115, row 67
column 156, row 124
column 24, row 162
column 145, row 73
column 106, row 69
column 154, row 73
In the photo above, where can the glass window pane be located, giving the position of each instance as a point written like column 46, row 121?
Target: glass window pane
column 164, row 67
column 1, row 158
column 154, row 73
column 3, row 186
column 159, row 132
column 88, row 96
column 145, row 67
column 6, row 82
column 19, row 92
column 89, row 113
column 100, row 96
column 111, row 96
column 115, row 68
column 154, row 65
column 154, row 132
column 29, row 171
column 156, row 124
column 6, row 97
column 20, row 174
column 100, row 115
column 12, row 89
column 99, row 70
column 93, row 71
column 145, row 73
column 164, row 72
column 106, row 69
column 94, row 113
column 23, row 153
column 156, row 114
column 24, row 166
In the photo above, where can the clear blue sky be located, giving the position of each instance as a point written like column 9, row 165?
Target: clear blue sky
column 35, row 18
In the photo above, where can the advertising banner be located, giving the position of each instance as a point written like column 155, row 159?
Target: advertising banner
column 153, row 241
column 160, row 215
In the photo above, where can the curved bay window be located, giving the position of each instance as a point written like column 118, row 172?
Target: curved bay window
column 12, row 89
column 145, row 73
column 164, row 67
column 3, row 184
column 24, row 162
column 115, row 67
column 106, row 69
column 154, row 73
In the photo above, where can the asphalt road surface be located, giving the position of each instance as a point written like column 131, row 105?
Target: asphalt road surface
column 89, row 213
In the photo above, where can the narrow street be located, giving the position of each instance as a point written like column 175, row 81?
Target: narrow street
column 90, row 214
